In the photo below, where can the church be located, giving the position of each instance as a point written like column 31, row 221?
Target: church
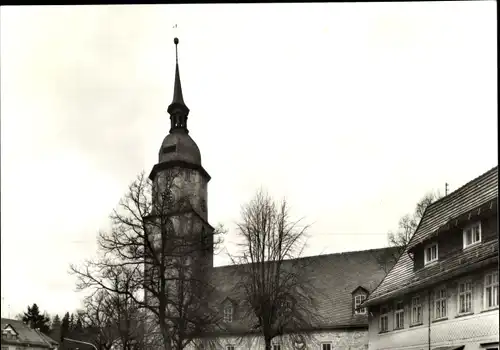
column 344, row 280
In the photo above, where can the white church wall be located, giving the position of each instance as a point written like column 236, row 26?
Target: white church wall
column 345, row 339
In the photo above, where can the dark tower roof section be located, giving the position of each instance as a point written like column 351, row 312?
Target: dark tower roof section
column 178, row 149
column 178, row 110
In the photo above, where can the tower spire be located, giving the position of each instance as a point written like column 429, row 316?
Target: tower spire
column 178, row 110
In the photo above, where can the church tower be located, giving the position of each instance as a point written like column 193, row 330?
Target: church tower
column 180, row 155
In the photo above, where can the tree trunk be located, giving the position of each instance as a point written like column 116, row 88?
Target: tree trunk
column 167, row 344
column 268, row 343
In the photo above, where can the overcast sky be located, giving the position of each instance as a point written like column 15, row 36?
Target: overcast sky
column 353, row 111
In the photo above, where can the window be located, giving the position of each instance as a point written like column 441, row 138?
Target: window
column 430, row 253
column 491, row 290
column 384, row 319
column 464, row 297
column 472, row 234
column 416, row 310
column 326, row 346
column 229, row 347
column 276, row 347
column 358, row 300
column 169, row 149
column 399, row 315
column 440, row 304
column 228, row 314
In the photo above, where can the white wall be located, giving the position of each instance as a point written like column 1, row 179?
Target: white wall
column 340, row 339
column 480, row 327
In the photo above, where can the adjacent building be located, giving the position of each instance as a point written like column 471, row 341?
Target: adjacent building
column 443, row 291
column 18, row 336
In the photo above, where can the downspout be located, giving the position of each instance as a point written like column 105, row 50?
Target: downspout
column 429, row 320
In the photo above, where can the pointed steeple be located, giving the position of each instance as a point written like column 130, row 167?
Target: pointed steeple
column 178, row 110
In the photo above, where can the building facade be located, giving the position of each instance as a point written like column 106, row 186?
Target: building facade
column 18, row 336
column 443, row 291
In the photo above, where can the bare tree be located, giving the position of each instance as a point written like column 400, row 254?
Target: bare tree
column 113, row 318
column 164, row 247
column 407, row 226
column 97, row 319
column 276, row 289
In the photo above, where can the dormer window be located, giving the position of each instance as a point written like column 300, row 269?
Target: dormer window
column 228, row 313
column 358, row 300
column 430, row 253
column 358, row 297
column 472, row 234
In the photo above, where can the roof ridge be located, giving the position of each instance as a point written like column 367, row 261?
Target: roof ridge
column 454, row 193
column 349, row 252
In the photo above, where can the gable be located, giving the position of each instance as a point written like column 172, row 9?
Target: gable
column 9, row 329
column 228, row 301
column 360, row 290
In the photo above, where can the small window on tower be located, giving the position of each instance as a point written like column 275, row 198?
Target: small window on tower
column 169, row 149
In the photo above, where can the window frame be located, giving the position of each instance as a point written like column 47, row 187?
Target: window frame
column 438, row 298
column 471, row 227
column 228, row 316
column 397, row 313
column 327, row 343
column 385, row 316
column 465, row 292
column 417, row 306
column 492, row 286
column 361, row 311
column 428, row 261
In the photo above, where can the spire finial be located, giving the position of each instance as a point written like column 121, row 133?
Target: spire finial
column 178, row 109
column 176, row 42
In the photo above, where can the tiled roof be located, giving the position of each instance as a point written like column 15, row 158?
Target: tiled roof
column 47, row 338
column 26, row 335
column 402, row 277
column 333, row 276
column 476, row 192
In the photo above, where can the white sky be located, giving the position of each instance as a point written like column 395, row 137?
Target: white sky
column 351, row 110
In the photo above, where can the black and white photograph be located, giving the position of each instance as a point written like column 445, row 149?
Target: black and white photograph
column 249, row 176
